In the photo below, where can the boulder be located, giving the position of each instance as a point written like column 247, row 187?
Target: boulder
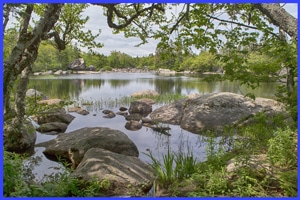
column 78, row 64
column 108, row 114
column 134, row 117
column 215, row 111
column 256, row 162
column 171, row 114
column 127, row 175
column 53, row 126
column 145, row 93
column 123, row 113
column 147, row 101
column 91, row 68
column 50, row 72
column 19, row 140
column 34, row 93
column 86, row 138
column 50, row 101
column 78, row 110
column 58, row 72
column 53, row 116
column 37, row 73
column 141, row 108
column 133, row 125
column 123, row 109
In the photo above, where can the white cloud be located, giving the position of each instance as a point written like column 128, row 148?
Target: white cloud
column 115, row 42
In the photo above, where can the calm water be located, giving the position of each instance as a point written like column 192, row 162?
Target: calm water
column 105, row 89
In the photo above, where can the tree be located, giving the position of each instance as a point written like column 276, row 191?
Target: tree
column 18, row 64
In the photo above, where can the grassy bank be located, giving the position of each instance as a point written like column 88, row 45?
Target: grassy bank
column 259, row 161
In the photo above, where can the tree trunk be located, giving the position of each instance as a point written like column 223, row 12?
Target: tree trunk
column 18, row 133
column 25, row 52
column 280, row 17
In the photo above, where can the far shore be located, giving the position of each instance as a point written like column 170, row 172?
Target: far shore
column 124, row 70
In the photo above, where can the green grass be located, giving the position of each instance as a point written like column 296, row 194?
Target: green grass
column 268, row 136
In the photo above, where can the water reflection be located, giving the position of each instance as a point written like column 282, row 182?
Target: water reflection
column 105, row 89
column 114, row 85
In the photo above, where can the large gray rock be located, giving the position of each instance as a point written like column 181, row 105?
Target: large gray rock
column 171, row 114
column 141, row 108
column 215, row 111
column 34, row 93
column 53, row 126
column 53, row 116
column 78, row 64
column 128, row 175
column 86, row 138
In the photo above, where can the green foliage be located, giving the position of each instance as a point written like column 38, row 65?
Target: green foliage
column 282, row 152
column 204, row 62
column 13, row 181
column 71, row 25
column 120, row 60
column 282, row 148
column 174, row 167
column 33, row 107
column 9, row 41
column 61, row 184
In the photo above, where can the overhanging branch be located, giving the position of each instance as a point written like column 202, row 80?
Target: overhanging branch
column 240, row 24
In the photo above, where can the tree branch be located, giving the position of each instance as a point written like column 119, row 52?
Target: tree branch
column 185, row 15
column 60, row 44
column 239, row 24
column 280, row 17
column 111, row 10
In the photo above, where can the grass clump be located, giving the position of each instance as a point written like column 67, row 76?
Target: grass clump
column 259, row 160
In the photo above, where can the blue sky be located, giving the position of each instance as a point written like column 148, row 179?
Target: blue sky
column 126, row 45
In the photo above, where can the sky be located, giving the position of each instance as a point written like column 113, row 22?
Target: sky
column 117, row 42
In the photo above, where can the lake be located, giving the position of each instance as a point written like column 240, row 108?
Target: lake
column 105, row 91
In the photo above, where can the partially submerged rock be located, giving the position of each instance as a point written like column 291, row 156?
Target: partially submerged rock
column 59, row 127
column 215, row 111
column 87, row 138
column 53, row 116
column 127, row 175
column 108, row 114
column 133, row 125
column 141, row 108
column 78, row 110
column 34, row 93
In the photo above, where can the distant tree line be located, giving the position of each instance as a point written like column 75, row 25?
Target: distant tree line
column 50, row 58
